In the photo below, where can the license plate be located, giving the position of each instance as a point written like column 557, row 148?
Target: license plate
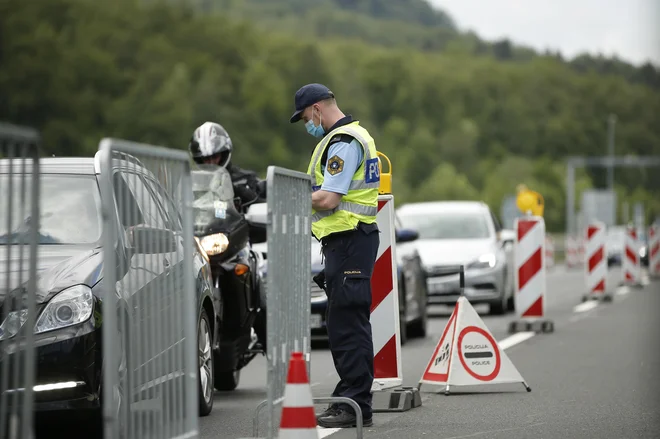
column 316, row 321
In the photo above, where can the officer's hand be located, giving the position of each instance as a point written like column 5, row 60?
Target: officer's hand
column 319, row 279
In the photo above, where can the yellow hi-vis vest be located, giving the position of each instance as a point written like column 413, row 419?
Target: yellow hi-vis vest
column 360, row 204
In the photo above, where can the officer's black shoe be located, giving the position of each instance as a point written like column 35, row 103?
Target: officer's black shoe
column 342, row 419
column 330, row 411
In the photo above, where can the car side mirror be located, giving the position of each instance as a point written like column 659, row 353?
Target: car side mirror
column 406, row 235
column 506, row 236
column 257, row 214
column 256, row 217
column 145, row 240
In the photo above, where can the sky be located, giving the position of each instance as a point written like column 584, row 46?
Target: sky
column 628, row 29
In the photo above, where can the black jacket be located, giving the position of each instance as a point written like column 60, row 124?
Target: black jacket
column 247, row 186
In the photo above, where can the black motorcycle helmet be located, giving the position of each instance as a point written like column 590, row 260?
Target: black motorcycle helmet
column 211, row 144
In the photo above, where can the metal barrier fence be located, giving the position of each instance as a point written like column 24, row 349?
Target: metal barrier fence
column 19, row 239
column 288, row 284
column 151, row 315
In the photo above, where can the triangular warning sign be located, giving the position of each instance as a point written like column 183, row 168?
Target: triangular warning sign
column 468, row 355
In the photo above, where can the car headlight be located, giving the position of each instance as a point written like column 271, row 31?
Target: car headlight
column 485, row 261
column 12, row 324
column 215, row 244
column 69, row 307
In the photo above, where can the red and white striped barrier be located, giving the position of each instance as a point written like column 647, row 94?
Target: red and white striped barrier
column 654, row 250
column 549, row 252
column 530, row 268
column 595, row 261
column 632, row 270
column 385, row 303
column 572, row 250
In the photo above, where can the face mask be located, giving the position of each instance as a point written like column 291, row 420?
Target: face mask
column 316, row 131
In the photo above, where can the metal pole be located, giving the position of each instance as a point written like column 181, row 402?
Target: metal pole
column 570, row 198
column 611, row 122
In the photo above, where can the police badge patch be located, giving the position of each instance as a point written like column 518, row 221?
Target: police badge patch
column 335, row 165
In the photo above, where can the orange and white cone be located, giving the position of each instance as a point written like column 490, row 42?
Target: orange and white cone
column 298, row 417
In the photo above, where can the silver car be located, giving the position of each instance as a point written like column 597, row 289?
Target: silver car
column 454, row 233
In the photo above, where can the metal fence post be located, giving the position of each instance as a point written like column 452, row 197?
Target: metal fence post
column 19, row 239
column 288, row 283
column 150, row 311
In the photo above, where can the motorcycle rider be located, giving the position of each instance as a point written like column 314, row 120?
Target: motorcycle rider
column 210, row 144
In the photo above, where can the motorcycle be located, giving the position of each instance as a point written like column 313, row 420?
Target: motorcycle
column 222, row 230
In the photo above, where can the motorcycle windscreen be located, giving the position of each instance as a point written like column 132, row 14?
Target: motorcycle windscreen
column 213, row 205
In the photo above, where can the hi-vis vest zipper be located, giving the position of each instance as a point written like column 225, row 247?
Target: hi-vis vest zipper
column 361, row 201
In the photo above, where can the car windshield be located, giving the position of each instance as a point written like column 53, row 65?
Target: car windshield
column 615, row 235
column 69, row 210
column 446, row 225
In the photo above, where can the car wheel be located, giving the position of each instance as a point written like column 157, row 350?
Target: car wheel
column 511, row 301
column 499, row 307
column 418, row 327
column 205, row 365
column 403, row 335
column 511, row 304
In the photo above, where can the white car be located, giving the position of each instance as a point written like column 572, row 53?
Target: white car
column 454, row 233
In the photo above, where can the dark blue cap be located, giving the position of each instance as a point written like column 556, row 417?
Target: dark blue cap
column 309, row 95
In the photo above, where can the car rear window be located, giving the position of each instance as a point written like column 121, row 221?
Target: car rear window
column 69, row 210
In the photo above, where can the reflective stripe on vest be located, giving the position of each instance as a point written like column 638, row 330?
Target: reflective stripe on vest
column 356, row 208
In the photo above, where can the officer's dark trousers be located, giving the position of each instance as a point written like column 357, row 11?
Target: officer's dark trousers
column 349, row 262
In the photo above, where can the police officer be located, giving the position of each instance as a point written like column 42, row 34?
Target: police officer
column 345, row 175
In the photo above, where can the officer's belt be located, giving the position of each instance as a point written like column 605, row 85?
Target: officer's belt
column 335, row 235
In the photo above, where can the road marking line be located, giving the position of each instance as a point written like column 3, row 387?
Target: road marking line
column 507, row 343
column 622, row 291
column 515, row 339
column 325, row 432
column 586, row 306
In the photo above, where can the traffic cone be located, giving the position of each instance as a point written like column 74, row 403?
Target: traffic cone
column 298, row 417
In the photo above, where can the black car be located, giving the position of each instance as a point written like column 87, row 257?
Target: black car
column 70, row 270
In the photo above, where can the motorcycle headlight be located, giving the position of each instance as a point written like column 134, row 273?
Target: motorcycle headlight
column 201, row 249
column 69, row 307
column 642, row 252
column 215, row 244
column 12, row 324
column 485, row 261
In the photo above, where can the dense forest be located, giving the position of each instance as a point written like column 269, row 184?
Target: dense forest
column 457, row 121
column 404, row 23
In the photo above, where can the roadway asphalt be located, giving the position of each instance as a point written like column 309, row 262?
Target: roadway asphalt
column 592, row 378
